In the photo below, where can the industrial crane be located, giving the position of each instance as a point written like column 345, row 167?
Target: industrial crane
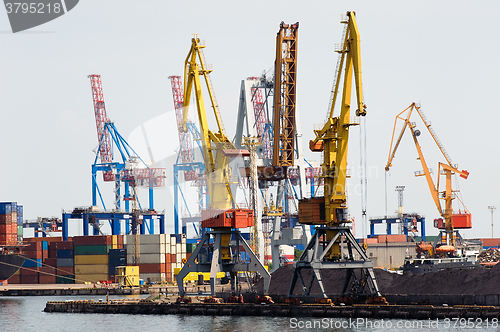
column 462, row 220
column 221, row 217
column 127, row 170
column 326, row 248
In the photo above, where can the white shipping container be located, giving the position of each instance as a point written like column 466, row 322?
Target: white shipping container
column 152, row 248
column 173, row 249
column 173, row 240
column 153, row 277
column 183, row 248
column 183, row 238
column 167, row 239
column 147, row 258
column 183, row 255
column 153, row 238
column 179, row 248
column 178, row 258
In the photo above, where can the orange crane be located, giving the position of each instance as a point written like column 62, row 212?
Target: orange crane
column 462, row 220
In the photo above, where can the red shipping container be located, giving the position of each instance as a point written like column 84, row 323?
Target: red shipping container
column 33, row 254
column 45, row 254
column 6, row 219
column 47, row 270
column 52, row 253
column 34, row 246
column 120, row 239
column 65, row 270
column 29, row 279
column 29, row 271
column 45, row 279
column 47, row 239
column 61, row 245
column 92, row 240
column 491, row 242
column 15, row 279
column 151, row 268
column 50, row 262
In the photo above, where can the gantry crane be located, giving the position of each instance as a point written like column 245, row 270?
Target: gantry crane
column 334, row 234
column 127, row 170
column 218, row 151
column 447, row 246
column 193, row 170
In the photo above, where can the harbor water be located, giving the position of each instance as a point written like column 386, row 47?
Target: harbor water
column 26, row 314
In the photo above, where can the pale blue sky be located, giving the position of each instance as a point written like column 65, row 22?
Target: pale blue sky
column 443, row 54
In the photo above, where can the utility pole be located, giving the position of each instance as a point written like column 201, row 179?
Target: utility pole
column 492, row 209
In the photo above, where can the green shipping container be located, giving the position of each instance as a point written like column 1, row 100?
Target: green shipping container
column 69, row 279
column 92, row 250
column 20, row 230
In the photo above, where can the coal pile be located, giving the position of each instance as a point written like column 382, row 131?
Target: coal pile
column 489, row 255
column 477, row 281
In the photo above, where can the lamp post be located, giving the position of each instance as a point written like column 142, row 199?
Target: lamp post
column 492, row 209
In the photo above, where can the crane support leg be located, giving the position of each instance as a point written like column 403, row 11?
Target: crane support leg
column 319, row 248
column 199, row 261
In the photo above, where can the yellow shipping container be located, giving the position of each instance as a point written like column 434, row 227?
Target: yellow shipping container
column 91, row 269
column 127, row 271
column 114, row 241
column 81, row 278
column 127, row 280
column 91, row 259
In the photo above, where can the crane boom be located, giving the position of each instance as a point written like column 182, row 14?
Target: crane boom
column 447, row 168
column 327, row 248
column 218, row 151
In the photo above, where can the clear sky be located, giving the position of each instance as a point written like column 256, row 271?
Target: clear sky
column 443, row 54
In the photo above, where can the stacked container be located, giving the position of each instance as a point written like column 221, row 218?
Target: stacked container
column 19, row 223
column 62, row 252
column 152, row 250
column 8, row 223
column 117, row 257
column 91, row 257
column 29, row 272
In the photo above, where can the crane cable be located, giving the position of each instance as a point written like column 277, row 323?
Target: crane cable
column 364, row 181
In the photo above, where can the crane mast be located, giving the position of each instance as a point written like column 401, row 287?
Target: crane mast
column 447, row 168
column 221, row 217
column 333, row 243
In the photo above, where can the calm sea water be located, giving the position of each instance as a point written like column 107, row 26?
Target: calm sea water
column 19, row 314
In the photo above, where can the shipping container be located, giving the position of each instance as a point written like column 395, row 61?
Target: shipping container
column 153, row 277
column 91, row 269
column 65, row 279
column 91, row 249
column 127, row 270
column 29, row 279
column 62, row 262
column 93, row 240
column 91, row 259
column 61, row 245
column 47, row 279
column 15, row 279
column 64, row 253
column 81, row 278
column 65, row 270
column 148, row 258
column 32, row 262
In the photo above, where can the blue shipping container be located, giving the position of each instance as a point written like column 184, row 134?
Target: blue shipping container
column 5, row 208
column 19, row 220
column 32, row 263
column 64, row 253
column 45, row 245
column 19, row 210
column 118, row 261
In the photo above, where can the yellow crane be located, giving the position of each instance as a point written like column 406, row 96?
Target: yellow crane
column 221, row 217
column 447, row 246
column 330, row 241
